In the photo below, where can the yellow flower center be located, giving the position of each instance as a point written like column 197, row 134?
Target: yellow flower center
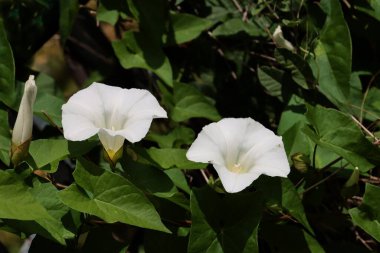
column 237, row 168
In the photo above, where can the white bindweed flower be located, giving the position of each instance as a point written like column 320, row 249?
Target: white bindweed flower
column 240, row 150
column 23, row 128
column 280, row 41
column 111, row 112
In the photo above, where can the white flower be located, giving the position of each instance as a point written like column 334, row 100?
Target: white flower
column 240, row 150
column 280, row 41
column 111, row 112
column 23, row 128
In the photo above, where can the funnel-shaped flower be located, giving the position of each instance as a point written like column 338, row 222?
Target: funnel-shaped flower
column 240, row 150
column 23, row 128
column 280, row 41
column 111, row 112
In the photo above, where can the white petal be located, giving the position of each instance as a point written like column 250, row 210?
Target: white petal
column 273, row 163
column 146, row 106
column 77, row 127
column 211, row 145
column 136, row 129
column 235, row 182
column 110, row 141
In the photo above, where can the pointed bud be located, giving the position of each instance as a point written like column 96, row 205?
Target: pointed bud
column 22, row 131
column 354, row 178
column 280, row 41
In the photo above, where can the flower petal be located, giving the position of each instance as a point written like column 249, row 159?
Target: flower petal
column 235, row 182
column 76, row 127
column 273, row 163
column 110, row 141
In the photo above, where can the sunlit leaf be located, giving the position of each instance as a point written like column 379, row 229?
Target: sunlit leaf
column 110, row 197
column 367, row 215
column 338, row 133
column 7, row 68
column 334, row 54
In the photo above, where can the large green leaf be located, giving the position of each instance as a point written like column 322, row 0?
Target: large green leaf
column 236, row 25
column 135, row 52
column 191, row 103
column 32, row 210
column 300, row 69
column 224, row 223
column 333, row 54
column 186, row 27
column 281, row 193
column 5, row 138
column 338, row 133
column 154, row 181
column 7, row 69
column 179, row 136
column 52, row 227
column 67, row 15
column 367, row 215
column 143, row 49
column 370, row 7
column 169, row 158
column 271, row 79
column 15, row 199
column 110, row 197
column 48, row 107
column 50, row 151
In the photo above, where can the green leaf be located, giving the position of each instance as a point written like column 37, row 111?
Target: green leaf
column 168, row 158
column 68, row 12
column 15, row 199
column 47, row 195
column 48, row 107
column 280, row 192
column 105, row 15
column 338, row 133
column 367, row 215
column 236, row 25
column 110, row 197
column 299, row 68
column 50, row 151
column 271, row 80
column 32, row 210
column 155, row 182
column 136, row 52
column 186, row 27
column 5, row 138
column 224, row 223
column 370, row 7
column 333, row 54
column 191, row 103
column 179, row 179
column 179, row 136
column 7, row 69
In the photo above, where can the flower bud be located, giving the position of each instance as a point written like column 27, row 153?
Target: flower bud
column 22, row 131
column 280, row 41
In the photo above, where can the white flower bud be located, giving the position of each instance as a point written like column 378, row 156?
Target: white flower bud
column 280, row 41
column 22, row 131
